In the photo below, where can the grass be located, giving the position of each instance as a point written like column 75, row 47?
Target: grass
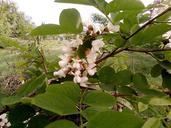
column 8, row 58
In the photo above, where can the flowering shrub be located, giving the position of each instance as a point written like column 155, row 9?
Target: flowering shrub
column 84, row 88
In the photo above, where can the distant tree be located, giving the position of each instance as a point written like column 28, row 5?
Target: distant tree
column 97, row 18
column 12, row 22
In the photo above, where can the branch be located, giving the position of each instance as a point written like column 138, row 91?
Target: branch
column 145, row 50
column 149, row 22
column 114, row 52
column 118, row 50
column 168, row 22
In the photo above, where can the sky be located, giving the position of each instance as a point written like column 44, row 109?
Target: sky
column 48, row 11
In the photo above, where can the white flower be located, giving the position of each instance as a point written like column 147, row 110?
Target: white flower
column 61, row 73
column 77, row 79
column 91, row 57
column 63, row 63
column 77, row 73
column 76, row 43
column 77, row 65
column 4, row 120
column 168, row 45
column 91, row 69
column 83, row 82
column 97, row 44
column 113, row 28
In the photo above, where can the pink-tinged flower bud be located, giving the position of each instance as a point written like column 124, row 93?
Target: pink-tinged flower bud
column 61, row 73
column 91, row 69
column 97, row 44
column 77, row 79
column 63, row 63
column 91, row 57
column 76, row 43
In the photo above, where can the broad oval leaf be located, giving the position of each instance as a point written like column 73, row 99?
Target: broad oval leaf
column 160, row 101
column 156, row 70
column 57, row 100
column 140, row 81
column 125, row 5
column 99, row 99
column 123, row 77
column 142, row 107
column 62, row 124
column 151, row 34
column 38, row 121
column 107, row 77
column 86, row 2
column 70, row 21
column 152, row 123
column 23, row 112
column 111, row 119
column 46, row 29
column 166, row 79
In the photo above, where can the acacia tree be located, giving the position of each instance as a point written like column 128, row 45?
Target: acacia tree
column 13, row 23
column 88, row 90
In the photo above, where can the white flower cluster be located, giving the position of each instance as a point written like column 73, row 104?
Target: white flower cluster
column 80, row 68
column 4, row 121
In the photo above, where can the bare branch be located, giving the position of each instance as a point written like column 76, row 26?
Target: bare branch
column 145, row 50
column 118, row 50
column 149, row 22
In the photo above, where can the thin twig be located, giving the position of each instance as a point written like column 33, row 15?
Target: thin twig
column 149, row 22
column 118, row 50
column 145, row 50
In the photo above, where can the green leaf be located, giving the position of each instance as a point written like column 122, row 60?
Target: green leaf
column 152, row 123
column 165, row 64
column 10, row 100
column 166, row 79
column 99, row 99
column 9, row 42
column 39, row 121
column 107, row 77
column 56, row 99
column 69, row 89
column 150, row 34
column 87, row 2
column 156, row 70
column 31, row 86
column 125, row 5
column 62, row 124
column 142, row 107
column 111, row 119
column 123, row 77
column 140, row 81
column 169, row 115
column 126, row 90
column 68, row 24
column 23, row 112
column 46, row 29
column 90, row 112
column 160, row 101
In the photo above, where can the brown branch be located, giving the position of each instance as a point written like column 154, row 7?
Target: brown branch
column 145, row 50
column 118, row 50
column 114, row 52
column 162, row 22
column 149, row 22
